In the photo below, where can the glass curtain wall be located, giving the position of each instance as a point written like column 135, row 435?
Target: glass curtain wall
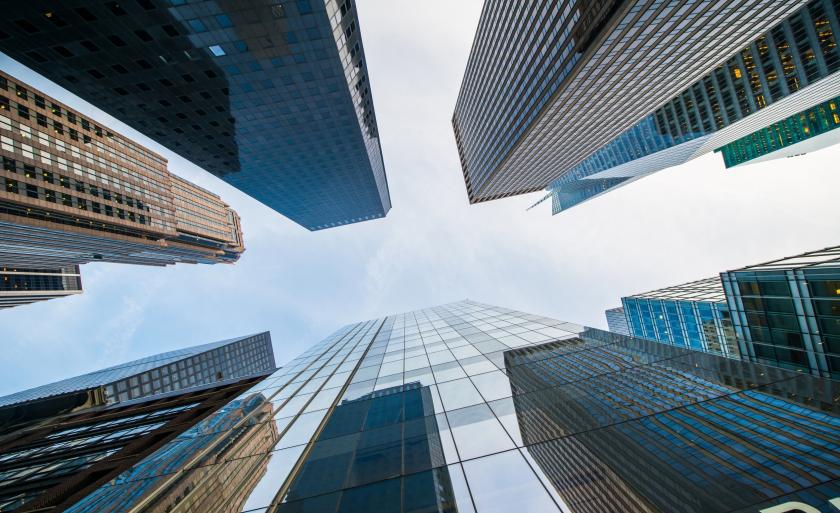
column 473, row 408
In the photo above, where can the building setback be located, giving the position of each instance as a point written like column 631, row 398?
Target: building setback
column 616, row 321
column 25, row 286
column 468, row 407
column 272, row 97
column 62, row 442
column 782, row 87
column 72, row 192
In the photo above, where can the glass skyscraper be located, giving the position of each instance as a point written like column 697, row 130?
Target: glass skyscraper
column 273, row 97
column 548, row 83
column 584, row 97
column 784, row 313
column 692, row 315
column 787, row 312
column 473, row 408
column 62, row 442
column 741, row 108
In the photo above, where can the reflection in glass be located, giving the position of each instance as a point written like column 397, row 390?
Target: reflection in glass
column 224, row 468
column 380, row 452
column 504, row 482
column 665, row 436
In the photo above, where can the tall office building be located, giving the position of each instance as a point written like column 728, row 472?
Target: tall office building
column 692, row 315
column 72, row 192
column 616, row 321
column 62, row 442
column 272, row 97
column 784, row 313
column 25, row 286
column 474, row 408
column 787, row 312
column 584, row 97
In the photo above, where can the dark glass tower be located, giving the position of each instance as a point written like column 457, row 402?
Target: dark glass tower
column 61, row 442
column 787, row 312
column 472, row 408
column 582, row 97
column 273, row 97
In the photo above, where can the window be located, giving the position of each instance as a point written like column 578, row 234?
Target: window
column 224, row 21
column 197, row 25
column 217, row 50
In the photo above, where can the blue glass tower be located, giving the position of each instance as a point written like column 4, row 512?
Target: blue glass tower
column 472, row 408
column 273, row 97
column 692, row 315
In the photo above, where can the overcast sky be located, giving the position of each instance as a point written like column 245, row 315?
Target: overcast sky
column 681, row 224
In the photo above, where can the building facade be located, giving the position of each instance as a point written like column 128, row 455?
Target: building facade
column 551, row 99
column 787, row 312
column 272, row 97
column 549, row 83
column 766, row 96
column 25, row 286
column 72, row 192
column 62, row 442
column 473, row 408
column 693, row 315
column 616, row 321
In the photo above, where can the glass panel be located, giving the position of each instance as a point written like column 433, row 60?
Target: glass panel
column 504, row 482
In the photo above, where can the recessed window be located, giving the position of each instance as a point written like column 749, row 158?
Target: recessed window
column 85, row 14
column 170, row 30
column 224, row 21
column 197, row 25
column 143, row 35
column 26, row 26
column 62, row 51
column 90, row 46
column 35, row 56
column 217, row 50
column 116, row 41
column 116, row 8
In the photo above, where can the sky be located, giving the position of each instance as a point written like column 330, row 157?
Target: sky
column 681, row 224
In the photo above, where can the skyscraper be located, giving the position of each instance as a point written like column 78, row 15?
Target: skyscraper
column 272, row 97
column 474, row 408
column 72, row 192
column 787, row 312
column 783, row 313
column 64, row 441
column 25, row 286
column 616, row 321
column 692, row 315
column 585, row 97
